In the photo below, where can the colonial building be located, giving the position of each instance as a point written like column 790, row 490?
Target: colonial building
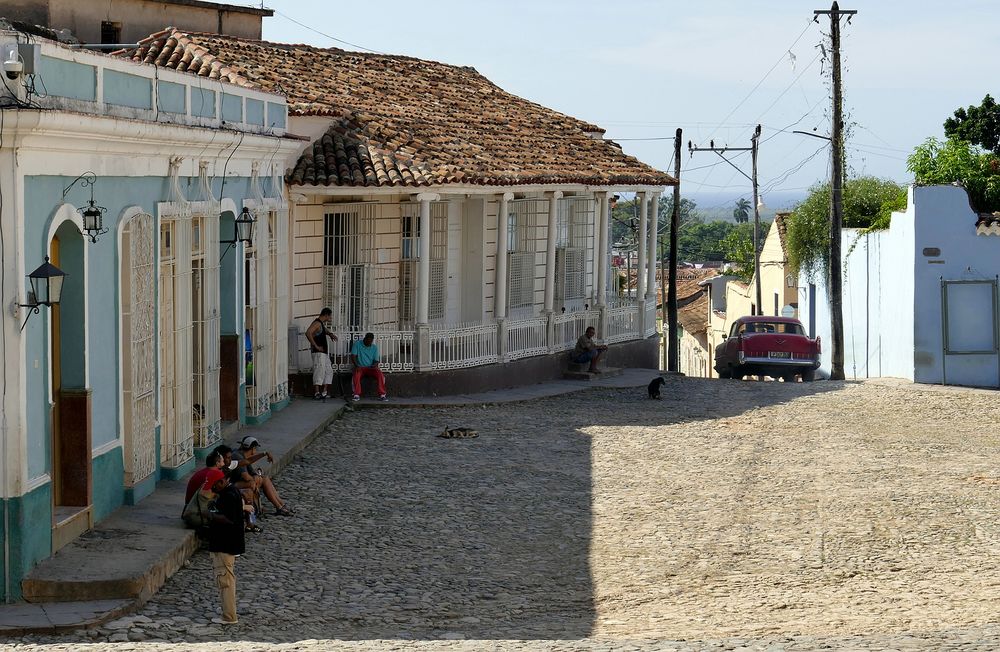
column 139, row 185
column 465, row 226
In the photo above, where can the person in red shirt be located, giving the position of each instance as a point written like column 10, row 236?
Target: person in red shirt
column 213, row 461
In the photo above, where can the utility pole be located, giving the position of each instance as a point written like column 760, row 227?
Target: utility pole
column 836, row 196
column 754, row 141
column 673, row 345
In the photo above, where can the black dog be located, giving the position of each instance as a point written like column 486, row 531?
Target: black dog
column 654, row 387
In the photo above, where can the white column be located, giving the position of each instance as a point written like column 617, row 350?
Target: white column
column 640, row 272
column 550, row 251
column 601, row 244
column 424, row 263
column 500, row 284
column 651, row 257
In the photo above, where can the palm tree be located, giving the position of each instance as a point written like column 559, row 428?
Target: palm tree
column 742, row 210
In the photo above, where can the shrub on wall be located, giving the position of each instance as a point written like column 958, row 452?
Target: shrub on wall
column 958, row 161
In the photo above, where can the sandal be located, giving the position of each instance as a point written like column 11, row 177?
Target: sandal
column 256, row 529
column 283, row 511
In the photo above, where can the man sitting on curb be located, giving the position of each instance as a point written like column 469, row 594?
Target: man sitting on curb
column 364, row 355
column 587, row 350
column 248, row 477
column 213, row 461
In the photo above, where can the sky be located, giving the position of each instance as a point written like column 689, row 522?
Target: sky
column 714, row 68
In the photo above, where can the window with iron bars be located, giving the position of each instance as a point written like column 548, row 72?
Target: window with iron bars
column 346, row 252
column 574, row 234
column 410, row 256
column 523, row 234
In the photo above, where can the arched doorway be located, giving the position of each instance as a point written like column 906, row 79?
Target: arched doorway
column 71, row 468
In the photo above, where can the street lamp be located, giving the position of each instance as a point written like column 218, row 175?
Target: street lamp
column 242, row 228
column 46, row 288
column 92, row 214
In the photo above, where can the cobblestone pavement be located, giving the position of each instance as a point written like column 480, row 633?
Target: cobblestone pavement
column 730, row 515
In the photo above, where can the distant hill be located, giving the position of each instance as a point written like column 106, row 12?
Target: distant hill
column 719, row 205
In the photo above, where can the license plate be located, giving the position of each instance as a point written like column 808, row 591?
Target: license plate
column 779, row 354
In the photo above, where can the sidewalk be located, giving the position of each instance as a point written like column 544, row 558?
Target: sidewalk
column 116, row 567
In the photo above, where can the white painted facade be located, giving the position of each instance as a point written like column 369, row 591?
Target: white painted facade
column 920, row 298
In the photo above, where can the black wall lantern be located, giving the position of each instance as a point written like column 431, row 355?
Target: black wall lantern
column 92, row 214
column 242, row 228
column 46, row 288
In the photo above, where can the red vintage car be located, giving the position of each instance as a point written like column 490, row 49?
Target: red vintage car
column 767, row 346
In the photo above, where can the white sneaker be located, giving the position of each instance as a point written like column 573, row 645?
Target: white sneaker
column 356, row 398
column 383, row 397
column 222, row 621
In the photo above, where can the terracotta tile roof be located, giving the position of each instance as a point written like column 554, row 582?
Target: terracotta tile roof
column 988, row 224
column 694, row 316
column 400, row 121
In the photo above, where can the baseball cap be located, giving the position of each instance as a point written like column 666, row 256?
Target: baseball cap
column 249, row 442
column 213, row 476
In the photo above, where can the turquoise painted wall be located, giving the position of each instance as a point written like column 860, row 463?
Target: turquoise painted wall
column 170, row 97
column 232, row 108
column 108, row 470
column 255, row 112
column 276, row 115
column 42, row 195
column 30, row 518
column 67, row 79
column 128, row 90
column 203, row 102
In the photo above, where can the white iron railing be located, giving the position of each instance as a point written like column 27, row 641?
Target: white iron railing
column 526, row 337
column 463, row 346
column 569, row 326
column 623, row 324
column 395, row 348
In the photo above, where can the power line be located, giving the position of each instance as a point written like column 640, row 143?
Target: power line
column 333, row 38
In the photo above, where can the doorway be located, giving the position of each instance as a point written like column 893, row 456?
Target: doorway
column 71, row 470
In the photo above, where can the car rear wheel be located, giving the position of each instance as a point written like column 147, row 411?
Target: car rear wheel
column 788, row 378
column 808, row 375
column 723, row 373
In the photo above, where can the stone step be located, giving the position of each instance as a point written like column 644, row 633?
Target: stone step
column 579, row 372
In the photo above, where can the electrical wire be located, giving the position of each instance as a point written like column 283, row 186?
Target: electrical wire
column 333, row 38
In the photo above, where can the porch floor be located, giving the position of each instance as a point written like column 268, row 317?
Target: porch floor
column 116, row 567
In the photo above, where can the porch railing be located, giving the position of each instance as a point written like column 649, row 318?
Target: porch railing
column 569, row 326
column 623, row 324
column 463, row 345
column 458, row 346
column 526, row 337
column 650, row 319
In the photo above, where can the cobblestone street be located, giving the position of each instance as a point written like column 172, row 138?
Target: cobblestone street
column 729, row 515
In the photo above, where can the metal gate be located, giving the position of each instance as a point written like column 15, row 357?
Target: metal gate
column 970, row 342
column 137, row 269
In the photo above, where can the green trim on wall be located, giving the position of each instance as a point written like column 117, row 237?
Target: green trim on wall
column 177, row 472
column 124, row 89
column 76, row 81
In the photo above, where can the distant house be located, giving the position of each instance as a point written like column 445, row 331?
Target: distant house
column 920, row 298
column 732, row 298
column 127, row 21
column 692, row 316
column 465, row 226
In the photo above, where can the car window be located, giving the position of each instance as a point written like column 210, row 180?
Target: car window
column 769, row 327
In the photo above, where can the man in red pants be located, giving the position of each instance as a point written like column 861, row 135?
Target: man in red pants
column 364, row 355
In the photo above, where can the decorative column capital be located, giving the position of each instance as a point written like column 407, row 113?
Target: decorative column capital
column 508, row 196
column 557, row 194
column 427, row 196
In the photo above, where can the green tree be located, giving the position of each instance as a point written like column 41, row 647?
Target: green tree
column 742, row 211
column 979, row 125
column 959, row 161
column 868, row 204
column 738, row 248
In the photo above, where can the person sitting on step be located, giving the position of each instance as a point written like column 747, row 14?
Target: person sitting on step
column 365, row 356
column 587, row 350
column 248, row 477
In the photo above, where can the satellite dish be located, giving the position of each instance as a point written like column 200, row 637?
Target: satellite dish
column 788, row 311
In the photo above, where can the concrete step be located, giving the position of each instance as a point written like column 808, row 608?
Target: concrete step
column 579, row 372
